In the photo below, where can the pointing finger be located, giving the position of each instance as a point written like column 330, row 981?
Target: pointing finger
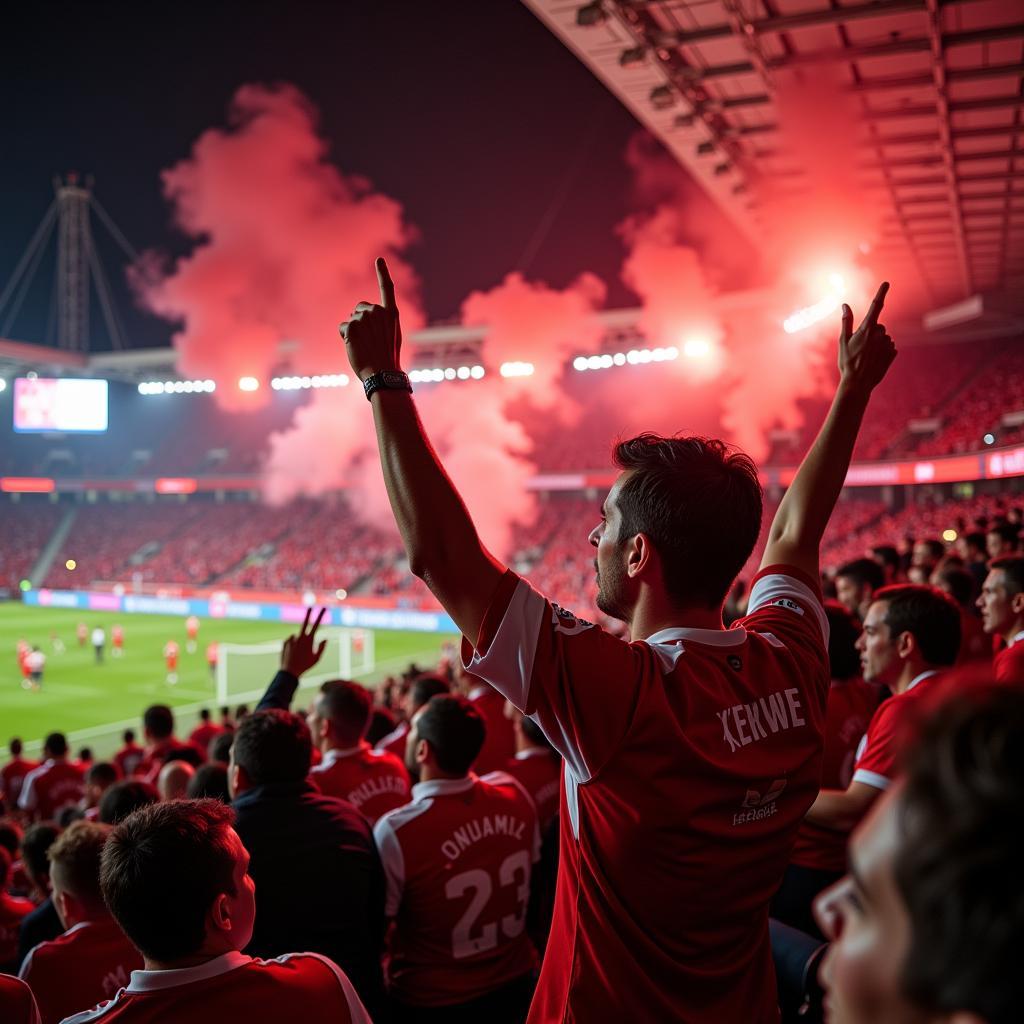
column 319, row 619
column 387, row 286
column 876, row 304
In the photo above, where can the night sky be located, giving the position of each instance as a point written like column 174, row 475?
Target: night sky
column 505, row 151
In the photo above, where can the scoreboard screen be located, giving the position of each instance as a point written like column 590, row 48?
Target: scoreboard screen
column 63, row 405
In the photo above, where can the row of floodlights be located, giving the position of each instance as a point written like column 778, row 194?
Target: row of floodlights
column 438, row 373
column 176, row 387
column 320, row 380
column 632, row 357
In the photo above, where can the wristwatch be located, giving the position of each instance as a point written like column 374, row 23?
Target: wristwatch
column 387, row 380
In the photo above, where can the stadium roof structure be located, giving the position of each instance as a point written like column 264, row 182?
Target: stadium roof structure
column 937, row 84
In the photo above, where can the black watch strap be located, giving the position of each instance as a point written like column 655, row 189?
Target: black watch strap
column 387, row 380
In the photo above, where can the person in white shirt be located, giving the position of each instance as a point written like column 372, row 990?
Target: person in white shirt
column 36, row 662
column 99, row 641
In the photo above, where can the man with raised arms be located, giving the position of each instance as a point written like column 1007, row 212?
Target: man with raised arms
column 692, row 753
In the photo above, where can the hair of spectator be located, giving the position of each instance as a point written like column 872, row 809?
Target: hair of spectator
column 959, row 582
column 102, row 773
column 863, row 572
column 159, row 721
column 930, row 616
column 700, row 503
column 960, row 853
column 34, row 847
column 533, row 732
column 56, row 744
column 1012, row 569
column 122, row 798
column 424, row 687
column 935, row 547
column 843, row 627
column 209, row 782
column 886, row 555
column 85, row 754
column 162, row 869
column 10, row 835
column 347, row 706
column 204, row 714
column 76, row 855
column 455, row 731
column 382, row 722
column 220, row 747
column 128, row 736
column 273, row 746
column 1007, row 532
column 975, row 540
column 15, row 747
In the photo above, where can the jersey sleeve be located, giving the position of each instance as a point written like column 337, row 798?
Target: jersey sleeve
column 393, row 861
column 787, row 601
column 28, row 798
column 580, row 684
column 876, row 763
column 356, row 1011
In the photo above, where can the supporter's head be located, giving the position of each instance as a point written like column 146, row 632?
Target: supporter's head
column 1002, row 540
column 270, row 746
column 856, row 583
column 98, row 779
column 844, row 629
column 75, row 872
column 339, row 715
column 528, row 733
column 175, row 876
column 382, row 722
column 220, row 747
column 971, row 546
column 928, row 925
column 55, row 745
column 241, row 711
column 85, row 755
column 11, row 835
column 158, row 722
column 421, row 690
column 908, row 630
column 926, row 554
column 210, row 781
column 204, row 716
column 955, row 580
column 172, row 782
column 34, row 848
column 889, row 559
column 15, row 747
column 128, row 736
column 125, row 797
column 1002, row 598
column 682, row 518
column 445, row 737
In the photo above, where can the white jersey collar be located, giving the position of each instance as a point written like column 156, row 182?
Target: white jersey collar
column 712, row 637
column 155, row 981
column 917, row 679
column 1014, row 639
column 442, row 787
column 334, row 755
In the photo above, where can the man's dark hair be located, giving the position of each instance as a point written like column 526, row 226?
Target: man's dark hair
column 959, row 583
column 36, row 844
column 700, row 503
column 959, row 857
column 382, row 722
column 220, row 746
column 10, row 836
column 533, row 732
column 864, row 571
column 241, row 711
column 204, row 714
column 85, row 754
column 15, row 747
column 102, row 773
column 348, row 707
column 843, row 631
column 56, row 744
column 424, row 687
column 159, row 721
column 210, row 781
column 1007, row 533
column 935, row 547
column 122, row 798
column 886, row 555
column 187, row 753
column 273, row 746
column 162, row 868
column 976, row 539
column 128, row 736
column 78, row 850
column 455, row 731
column 929, row 615
column 1013, row 569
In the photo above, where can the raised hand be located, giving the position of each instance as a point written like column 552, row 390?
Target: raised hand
column 867, row 353
column 373, row 333
column 300, row 652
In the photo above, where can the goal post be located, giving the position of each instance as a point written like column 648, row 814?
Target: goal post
column 244, row 671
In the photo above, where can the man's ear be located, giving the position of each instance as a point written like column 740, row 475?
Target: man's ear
column 639, row 554
column 238, row 781
column 219, row 916
column 64, row 909
column 422, row 752
column 906, row 644
column 1017, row 603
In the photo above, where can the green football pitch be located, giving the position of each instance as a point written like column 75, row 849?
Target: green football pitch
column 93, row 703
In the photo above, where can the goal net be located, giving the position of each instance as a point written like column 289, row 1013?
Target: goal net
column 244, row 670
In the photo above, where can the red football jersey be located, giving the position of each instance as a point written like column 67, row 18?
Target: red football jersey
column 879, row 751
column 117, row 636
column 375, row 782
column 12, row 777
column 1008, row 663
column 156, row 756
column 128, row 758
column 540, row 773
column 500, row 742
column 690, row 761
column 851, row 704
column 302, row 987
column 202, row 734
column 12, row 910
column 394, row 742
column 457, row 860
column 17, row 1006
column 171, row 653
column 51, row 787
column 90, row 962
